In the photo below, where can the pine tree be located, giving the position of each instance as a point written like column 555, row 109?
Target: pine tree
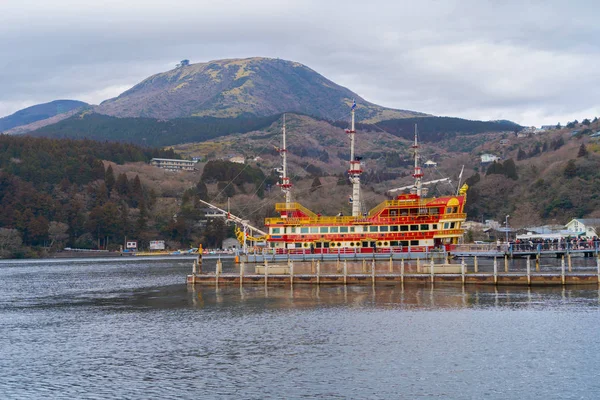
column 137, row 192
column 122, row 185
column 582, row 151
column 510, row 169
column 570, row 170
column 109, row 179
column 521, row 155
column 316, row 184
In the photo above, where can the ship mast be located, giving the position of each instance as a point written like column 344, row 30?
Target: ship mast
column 285, row 180
column 354, row 171
column 418, row 172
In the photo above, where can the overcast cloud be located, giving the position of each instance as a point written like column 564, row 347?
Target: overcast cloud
column 533, row 62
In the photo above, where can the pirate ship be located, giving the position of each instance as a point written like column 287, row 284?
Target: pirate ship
column 410, row 222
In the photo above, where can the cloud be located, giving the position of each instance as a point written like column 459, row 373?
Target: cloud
column 528, row 61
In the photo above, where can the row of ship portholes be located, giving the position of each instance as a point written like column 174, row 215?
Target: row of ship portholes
column 352, row 244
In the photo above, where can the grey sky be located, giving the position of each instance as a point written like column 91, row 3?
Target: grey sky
column 533, row 62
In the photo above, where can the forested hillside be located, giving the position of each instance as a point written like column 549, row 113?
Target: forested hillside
column 57, row 192
column 151, row 131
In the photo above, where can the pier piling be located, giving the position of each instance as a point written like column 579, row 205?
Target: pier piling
column 495, row 271
column 528, row 271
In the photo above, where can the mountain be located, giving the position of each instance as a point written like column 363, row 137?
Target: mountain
column 39, row 112
column 242, row 87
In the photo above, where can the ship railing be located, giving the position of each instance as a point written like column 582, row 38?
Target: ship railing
column 444, row 217
column 348, row 220
column 294, row 206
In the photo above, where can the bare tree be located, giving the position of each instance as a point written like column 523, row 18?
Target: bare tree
column 57, row 232
column 10, row 242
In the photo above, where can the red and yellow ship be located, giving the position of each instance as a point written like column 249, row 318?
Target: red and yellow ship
column 410, row 222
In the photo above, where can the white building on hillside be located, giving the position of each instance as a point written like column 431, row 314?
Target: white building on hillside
column 173, row 165
column 584, row 226
column 238, row 159
column 489, row 158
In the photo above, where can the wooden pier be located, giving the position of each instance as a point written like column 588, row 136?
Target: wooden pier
column 391, row 272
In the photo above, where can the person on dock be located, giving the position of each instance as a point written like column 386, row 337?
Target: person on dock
column 200, row 258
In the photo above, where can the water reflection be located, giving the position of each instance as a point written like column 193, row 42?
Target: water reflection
column 410, row 296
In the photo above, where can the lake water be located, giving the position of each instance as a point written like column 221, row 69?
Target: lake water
column 125, row 328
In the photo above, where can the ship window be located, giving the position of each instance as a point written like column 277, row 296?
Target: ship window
column 404, row 211
column 305, row 244
column 339, row 244
column 424, row 227
column 373, row 228
column 379, row 243
column 446, row 225
column 414, row 227
column 423, row 211
column 303, row 230
column 404, row 228
column 394, row 243
column 404, row 243
column 365, row 244
column 452, row 224
column 343, row 229
column 323, row 229
column 352, row 229
column 318, row 245
column 414, row 242
column 314, row 229
column 333, row 229
column 394, row 228
column 385, row 243
column 434, row 226
column 326, row 245
column 413, row 211
column 276, row 230
column 293, row 229
column 351, row 244
column 297, row 245
column 383, row 228
column 433, row 211
column 393, row 213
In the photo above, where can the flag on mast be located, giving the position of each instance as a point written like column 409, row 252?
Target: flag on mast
column 353, row 104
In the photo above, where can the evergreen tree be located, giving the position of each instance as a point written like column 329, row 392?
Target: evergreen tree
column 570, row 170
column 582, row 151
column 586, row 122
column 142, row 222
column 495, row 168
column 510, row 169
column 202, row 191
column 100, row 195
column 122, row 185
column 316, row 184
column 137, row 192
column 109, row 179
column 521, row 155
